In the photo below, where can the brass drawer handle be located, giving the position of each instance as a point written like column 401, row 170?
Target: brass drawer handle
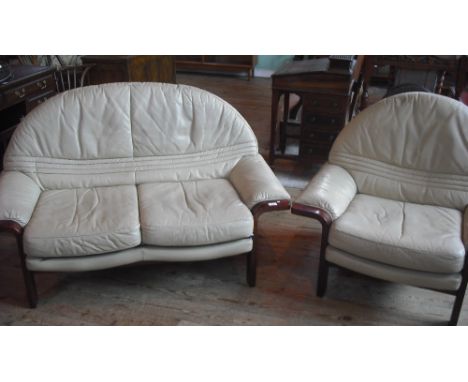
column 41, row 84
column 20, row 93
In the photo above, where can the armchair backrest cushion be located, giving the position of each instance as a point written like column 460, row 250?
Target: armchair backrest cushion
column 126, row 133
column 409, row 147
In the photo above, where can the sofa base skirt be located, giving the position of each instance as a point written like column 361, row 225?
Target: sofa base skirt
column 438, row 281
column 139, row 254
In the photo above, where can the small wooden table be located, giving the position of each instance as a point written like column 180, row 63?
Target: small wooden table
column 329, row 95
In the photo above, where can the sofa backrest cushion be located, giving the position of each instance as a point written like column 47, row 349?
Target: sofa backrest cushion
column 409, row 147
column 125, row 132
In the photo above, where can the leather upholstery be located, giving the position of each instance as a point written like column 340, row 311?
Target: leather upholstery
column 131, row 133
column 192, row 213
column 255, row 182
column 81, row 222
column 18, row 196
column 331, row 189
column 438, row 281
column 465, row 228
column 396, row 186
column 139, row 254
column 410, row 147
column 407, row 235
column 96, row 162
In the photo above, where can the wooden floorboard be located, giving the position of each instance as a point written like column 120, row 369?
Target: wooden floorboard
column 215, row 292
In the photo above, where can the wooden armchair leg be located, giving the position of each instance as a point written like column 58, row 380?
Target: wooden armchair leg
column 251, row 268
column 322, row 278
column 458, row 303
column 325, row 220
column 17, row 230
column 31, row 290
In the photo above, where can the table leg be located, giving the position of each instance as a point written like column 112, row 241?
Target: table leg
column 274, row 116
column 283, row 124
column 368, row 71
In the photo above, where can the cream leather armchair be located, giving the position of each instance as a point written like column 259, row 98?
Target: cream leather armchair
column 392, row 198
column 109, row 175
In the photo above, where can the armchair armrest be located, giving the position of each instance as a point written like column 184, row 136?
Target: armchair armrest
column 18, row 197
column 330, row 190
column 256, row 183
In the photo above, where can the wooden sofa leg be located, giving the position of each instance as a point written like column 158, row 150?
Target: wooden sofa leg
column 322, row 278
column 16, row 229
column 28, row 276
column 31, row 290
column 251, row 268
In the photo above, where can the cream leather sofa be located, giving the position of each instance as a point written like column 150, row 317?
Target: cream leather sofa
column 392, row 198
column 115, row 174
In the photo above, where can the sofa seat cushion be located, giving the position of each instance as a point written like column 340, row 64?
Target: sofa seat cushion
column 406, row 235
column 84, row 221
column 192, row 213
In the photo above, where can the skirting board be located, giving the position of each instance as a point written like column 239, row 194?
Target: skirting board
column 263, row 73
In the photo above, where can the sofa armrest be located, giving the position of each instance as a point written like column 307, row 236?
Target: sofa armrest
column 18, row 197
column 256, row 183
column 331, row 190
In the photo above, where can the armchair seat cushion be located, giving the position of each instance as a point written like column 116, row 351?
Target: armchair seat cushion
column 192, row 213
column 407, row 235
column 84, row 221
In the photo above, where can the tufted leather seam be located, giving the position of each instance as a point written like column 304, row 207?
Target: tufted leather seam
column 379, row 165
column 443, row 187
column 231, row 222
column 401, row 177
column 119, row 167
column 247, row 146
column 130, row 119
column 120, row 171
column 155, row 159
column 130, row 162
column 133, row 230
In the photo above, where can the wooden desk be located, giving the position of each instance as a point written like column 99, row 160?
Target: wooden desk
column 130, row 68
column 328, row 95
column 28, row 87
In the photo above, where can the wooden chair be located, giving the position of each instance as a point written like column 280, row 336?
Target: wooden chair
column 71, row 77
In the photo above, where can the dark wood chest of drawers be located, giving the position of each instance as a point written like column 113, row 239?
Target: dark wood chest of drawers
column 323, row 117
column 29, row 84
column 327, row 94
column 28, row 87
